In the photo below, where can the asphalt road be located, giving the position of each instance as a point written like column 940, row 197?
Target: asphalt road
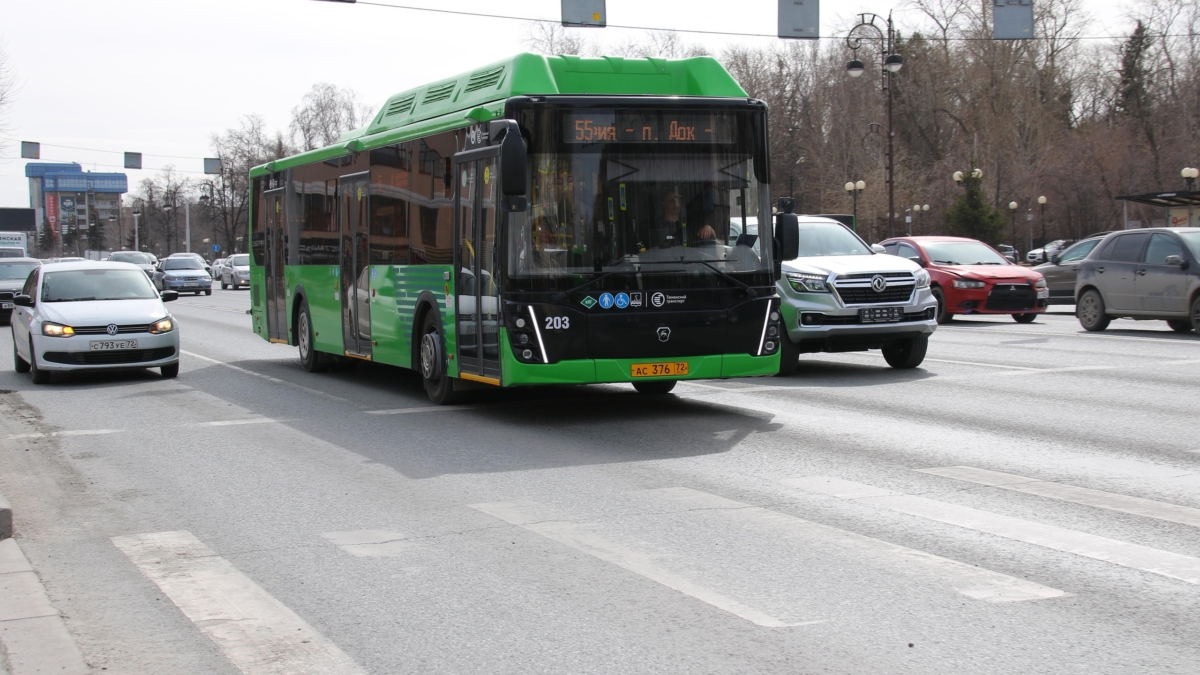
column 1026, row 502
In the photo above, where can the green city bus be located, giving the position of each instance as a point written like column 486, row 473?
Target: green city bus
column 541, row 220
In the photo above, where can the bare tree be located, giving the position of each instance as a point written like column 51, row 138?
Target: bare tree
column 547, row 37
column 240, row 148
column 324, row 114
column 8, row 87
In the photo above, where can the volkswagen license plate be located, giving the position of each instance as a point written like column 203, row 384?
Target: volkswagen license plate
column 880, row 314
column 658, row 369
column 105, row 345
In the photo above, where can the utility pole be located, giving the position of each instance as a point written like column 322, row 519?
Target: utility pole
column 187, row 225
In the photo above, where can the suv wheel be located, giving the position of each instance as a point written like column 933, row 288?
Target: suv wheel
column 1090, row 311
column 906, row 353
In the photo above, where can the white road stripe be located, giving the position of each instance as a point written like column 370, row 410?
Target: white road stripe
column 961, row 363
column 527, row 515
column 421, row 409
column 1185, row 515
column 80, row 432
column 268, row 378
column 230, row 423
column 256, row 632
column 1168, row 337
column 1155, row 561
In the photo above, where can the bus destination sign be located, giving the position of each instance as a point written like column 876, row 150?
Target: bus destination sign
column 596, row 126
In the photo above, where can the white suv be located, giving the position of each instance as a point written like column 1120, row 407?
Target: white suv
column 841, row 295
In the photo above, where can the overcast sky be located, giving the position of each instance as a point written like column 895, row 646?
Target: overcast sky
column 160, row 76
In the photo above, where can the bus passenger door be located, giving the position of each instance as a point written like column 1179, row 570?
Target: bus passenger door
column 273, row 268
column 353, row 284
column 478, row 287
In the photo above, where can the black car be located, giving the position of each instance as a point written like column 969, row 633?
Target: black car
column 1060, row 271
column 13, row 273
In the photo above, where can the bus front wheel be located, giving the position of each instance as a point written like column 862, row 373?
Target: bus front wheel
column 655, row 387
column 438, row 385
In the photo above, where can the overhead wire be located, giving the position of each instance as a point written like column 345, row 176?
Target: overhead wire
column 695, row 31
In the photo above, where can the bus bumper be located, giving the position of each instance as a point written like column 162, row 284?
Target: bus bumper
column 596, row 371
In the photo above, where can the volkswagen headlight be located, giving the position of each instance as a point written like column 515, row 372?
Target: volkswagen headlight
column 1040, row 283
column 922, row 279
column 162, row 326
column 57, row 330
column 810, row 283
column 967, row 283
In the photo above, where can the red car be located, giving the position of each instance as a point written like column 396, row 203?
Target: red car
column 969, row 277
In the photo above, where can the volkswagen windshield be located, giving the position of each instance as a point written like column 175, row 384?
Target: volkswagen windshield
column 673, row 196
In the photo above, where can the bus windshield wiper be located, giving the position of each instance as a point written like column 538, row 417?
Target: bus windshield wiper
column 749, row 291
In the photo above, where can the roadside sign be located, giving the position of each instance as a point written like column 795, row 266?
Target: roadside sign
column 216, row 248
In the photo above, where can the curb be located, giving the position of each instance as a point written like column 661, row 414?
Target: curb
column 32, row 631
column 6, row 518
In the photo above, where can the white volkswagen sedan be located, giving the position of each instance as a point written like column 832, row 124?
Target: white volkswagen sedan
column 92, row 316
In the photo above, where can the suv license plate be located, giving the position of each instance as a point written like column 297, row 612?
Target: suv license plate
column 7, row 305
column 104, row 345
column 880, row 314
column 658, row 369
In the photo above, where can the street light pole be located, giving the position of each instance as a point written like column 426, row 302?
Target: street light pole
column 854, row 190
column 1042, row 203
column 891, row 63
column 1012, row 208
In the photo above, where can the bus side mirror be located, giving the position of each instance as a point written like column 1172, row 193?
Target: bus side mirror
column 787, row 236
column 514, row 164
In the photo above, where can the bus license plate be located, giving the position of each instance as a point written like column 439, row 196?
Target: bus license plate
column 880, row 314
column 103, row 345
column 664, row 369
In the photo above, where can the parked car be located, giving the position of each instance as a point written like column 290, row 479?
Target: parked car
column 236, row 272
column 142, row 260
column 1041, row 255
column 1060, row 271
column 185, row 274
column 843, row 295
column 92, row 316
column 1009, row 253
column 970, row 277
column 67, row 259
column 196, row 256
column 1151, row 274
column 13, row 274
column 12, row 252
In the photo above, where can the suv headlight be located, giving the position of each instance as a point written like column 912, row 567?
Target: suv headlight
column 811, row 283
column 1040, row 283
column 57, row 330
column 967, row 283
column 162, row 326
column 922, row 279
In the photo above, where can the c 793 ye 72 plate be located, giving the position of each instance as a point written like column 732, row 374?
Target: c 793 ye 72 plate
column 660, row 369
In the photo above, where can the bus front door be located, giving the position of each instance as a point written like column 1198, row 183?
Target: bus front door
column 354, row 286
column 478, row 288
column 276, row 257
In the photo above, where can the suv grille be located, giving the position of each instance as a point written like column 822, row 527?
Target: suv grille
column 1011, row 297
column 856, row 289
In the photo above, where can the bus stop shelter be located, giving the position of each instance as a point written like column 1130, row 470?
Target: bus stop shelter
column 1183, row 206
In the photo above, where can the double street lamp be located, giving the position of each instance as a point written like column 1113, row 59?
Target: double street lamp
column 854, row 190
column 891, row 64
column 916, row 217
column 1012, row 208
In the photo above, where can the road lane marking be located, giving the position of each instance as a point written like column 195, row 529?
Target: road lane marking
column 1184, row 515
column 78, row 432
column 219, row 309
column 370, row 543
column 256, row 632
column 230, row 423
column 527, row 515
column 1167, row 337
column 420, row 409
column 268, row 378
column 1135, row 556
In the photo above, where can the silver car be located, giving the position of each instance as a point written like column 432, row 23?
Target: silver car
column 92, row 316
column 236, row 271
column 842, row 295
column 1144, row 274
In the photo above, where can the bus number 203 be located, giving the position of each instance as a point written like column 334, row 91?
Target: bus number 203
column 558, row 322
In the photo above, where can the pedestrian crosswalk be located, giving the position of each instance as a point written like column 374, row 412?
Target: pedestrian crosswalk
column 709, row 548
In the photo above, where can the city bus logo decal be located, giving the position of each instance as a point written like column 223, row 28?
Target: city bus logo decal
column 664, row 334
column 658, row 300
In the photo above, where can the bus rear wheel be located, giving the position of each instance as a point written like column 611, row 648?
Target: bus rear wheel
column 438, row 385
column 310, row 359
column 655, row 388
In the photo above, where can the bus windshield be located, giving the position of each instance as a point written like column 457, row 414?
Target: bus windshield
column 641, row 190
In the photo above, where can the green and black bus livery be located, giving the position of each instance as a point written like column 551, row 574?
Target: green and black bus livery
column 541, row 220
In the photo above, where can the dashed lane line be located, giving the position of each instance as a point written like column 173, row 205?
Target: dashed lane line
column 419, row 409
column 1123, row 553
column 256, row 632
column 275, row 380
column 231, row 423
column 1174, row 513
column 78, row 432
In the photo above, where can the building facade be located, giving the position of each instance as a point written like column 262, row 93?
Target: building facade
column 73, row 204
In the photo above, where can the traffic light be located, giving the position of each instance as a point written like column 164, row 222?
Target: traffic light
column 1012, row 19
column 584, row 13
